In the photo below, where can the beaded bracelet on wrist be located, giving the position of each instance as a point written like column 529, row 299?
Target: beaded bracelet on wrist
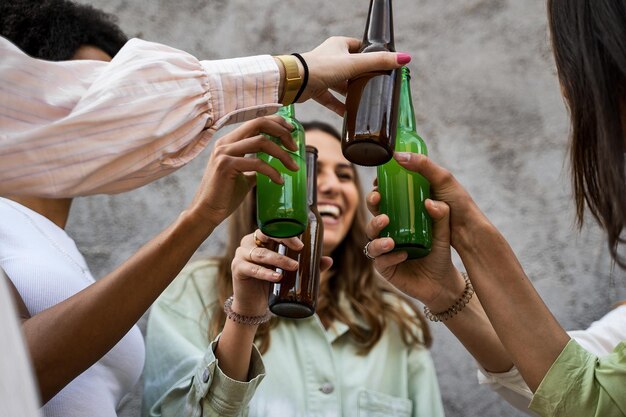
column 247, row 320
column 456, row 307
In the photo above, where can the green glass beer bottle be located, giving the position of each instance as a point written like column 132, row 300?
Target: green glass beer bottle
column 282, row 208
column 295, row 296
column 403, row 192
column 369, row 125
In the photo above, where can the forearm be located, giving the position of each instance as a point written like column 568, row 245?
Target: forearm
column 68, row 338
column 527, row 329
column 234, row 349
column 473, row 329
column 470, row 325
column 145, row 82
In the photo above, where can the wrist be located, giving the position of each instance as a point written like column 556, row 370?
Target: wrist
column 198, row 220
column 448, row 294
column 291, row 73
column 468, row 233
column 455, row 308
column 248, row 309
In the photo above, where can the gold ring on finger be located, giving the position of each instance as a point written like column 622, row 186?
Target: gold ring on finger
column 258, row 242
column 250, row 253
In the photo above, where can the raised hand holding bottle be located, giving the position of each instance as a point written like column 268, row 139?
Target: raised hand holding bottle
column 295, row 296
column 369, row 127
column 282, row 208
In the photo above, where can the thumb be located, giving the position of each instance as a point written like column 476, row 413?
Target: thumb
column 440, row 213
column 325, row 263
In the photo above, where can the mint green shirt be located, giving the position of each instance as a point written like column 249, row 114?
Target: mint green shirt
column 580, row 384
column 309, row 371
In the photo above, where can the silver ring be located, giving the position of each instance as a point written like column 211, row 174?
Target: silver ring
column 365, row 251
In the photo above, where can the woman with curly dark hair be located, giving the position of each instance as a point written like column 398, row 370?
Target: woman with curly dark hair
column 54, row 30
column 86, row 350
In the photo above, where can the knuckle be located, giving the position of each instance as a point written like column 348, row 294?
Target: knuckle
column 221, row 146
column 234, row 266
column 262, row 143
column 222, row 160
column 447, row 176
column 266, row 146
column 275, row 118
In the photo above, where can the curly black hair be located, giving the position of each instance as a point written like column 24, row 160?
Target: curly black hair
column 55, row 29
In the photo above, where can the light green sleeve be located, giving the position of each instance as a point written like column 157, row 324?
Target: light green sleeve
column 580, row 384
column 423, row 384
column 182, row 377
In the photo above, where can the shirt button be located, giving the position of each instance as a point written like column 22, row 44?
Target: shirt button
column 327, row 388
column 261, row 112
column 205, row 375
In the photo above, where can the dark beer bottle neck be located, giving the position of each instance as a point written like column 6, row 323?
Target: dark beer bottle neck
column 379, row 26
column 311, row 175
column 406, row 114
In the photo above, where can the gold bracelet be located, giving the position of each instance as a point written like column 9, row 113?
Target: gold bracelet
column 293, row 81
column 456, row 307
column 241, row 319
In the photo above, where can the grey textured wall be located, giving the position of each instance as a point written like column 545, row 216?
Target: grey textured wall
column 487, row 102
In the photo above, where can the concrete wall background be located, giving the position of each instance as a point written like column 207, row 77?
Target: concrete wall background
column 487, row 103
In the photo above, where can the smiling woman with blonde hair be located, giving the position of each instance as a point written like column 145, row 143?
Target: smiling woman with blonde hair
column 364, row 351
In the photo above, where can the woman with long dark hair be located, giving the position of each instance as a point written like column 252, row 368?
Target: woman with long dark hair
column 364, row 352
column 510, row 331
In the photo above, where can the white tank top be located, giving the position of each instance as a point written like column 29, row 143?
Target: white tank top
column 45, row 266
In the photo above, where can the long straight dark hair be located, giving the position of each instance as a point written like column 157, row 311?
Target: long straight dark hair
column 589, row 44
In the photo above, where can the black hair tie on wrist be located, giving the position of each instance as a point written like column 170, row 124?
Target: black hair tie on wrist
column 305, row 78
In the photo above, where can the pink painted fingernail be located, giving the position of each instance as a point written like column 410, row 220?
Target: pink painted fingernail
column 403, row 58
column 402, row 156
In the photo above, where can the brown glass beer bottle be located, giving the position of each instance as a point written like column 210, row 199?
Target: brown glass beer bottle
column 295, row 296
column 369, row 125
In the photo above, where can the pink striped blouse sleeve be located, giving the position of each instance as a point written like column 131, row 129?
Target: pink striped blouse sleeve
column 85, row 127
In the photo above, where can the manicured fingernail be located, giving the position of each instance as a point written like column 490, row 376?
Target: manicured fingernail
column 403, row 58
column 402, row 156
column 386, row 244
